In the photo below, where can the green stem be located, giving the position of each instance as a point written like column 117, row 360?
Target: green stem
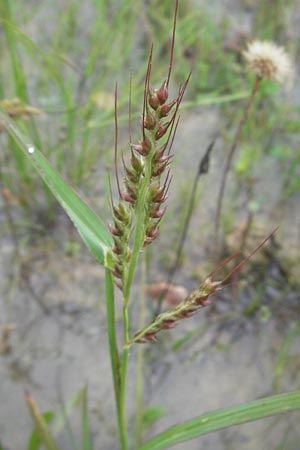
column 138, row 239
column 139, row 231
column 123, row 384
column 114, row 357
column 139, row 375
column 231, row 154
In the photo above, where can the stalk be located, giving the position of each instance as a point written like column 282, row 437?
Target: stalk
column 139, row 235
column 139, row 231
column 114, row 357
column 231, row 154
column 140, row 359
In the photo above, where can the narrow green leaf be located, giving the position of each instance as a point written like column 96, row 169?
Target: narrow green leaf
column 41, row 424
column 66, row 409
column 90, row 227
column 86, row 434
column 180, row 342
column 35, row 440
column 152, row 415
column 224, row 418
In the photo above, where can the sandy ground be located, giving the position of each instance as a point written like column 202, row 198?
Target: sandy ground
column 58, row 341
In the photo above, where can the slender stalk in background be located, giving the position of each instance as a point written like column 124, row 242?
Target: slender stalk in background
column 230, row 157
column 267, row 61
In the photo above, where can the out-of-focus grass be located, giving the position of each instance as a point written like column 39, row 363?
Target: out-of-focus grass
column 65, row 58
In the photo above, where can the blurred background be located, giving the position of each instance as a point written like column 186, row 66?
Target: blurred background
column 59, row 64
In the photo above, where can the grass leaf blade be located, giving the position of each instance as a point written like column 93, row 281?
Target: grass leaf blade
column 35, row 441
column 92, row 230
column 224, row 418
column 41, row 424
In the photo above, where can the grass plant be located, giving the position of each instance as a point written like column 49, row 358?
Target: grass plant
column 136, row 217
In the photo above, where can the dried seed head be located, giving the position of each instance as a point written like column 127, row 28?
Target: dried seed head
column 267, row 60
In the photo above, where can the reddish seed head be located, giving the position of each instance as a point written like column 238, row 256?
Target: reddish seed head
column 160, row 197
column 143, row 148
column 116, row 272
column 117, row 213
column 131, row 191
column 156, row 213
column 117, row 250
column 138, row 148
column 159, row 169
column 168, row 324
column 159, row 153
column 127, row 198
column 153, row 99
column 150, row 337
column 161, row 131
column 136, row 163
column 165, row 109
column 149, row 122
column 186, row 314
column 147, row 241
column 131, row 176
column 153, row 233
column 162, row 93
column 114, row 231
column 146, row 144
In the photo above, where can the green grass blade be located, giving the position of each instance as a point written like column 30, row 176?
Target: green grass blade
column 92, row 230
column 35, row 441
column 41, row 424
column 224, row 418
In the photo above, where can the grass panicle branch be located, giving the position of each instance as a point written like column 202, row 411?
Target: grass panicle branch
column 198, row 299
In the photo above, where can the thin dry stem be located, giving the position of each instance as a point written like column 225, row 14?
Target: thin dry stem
column 230, row 157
